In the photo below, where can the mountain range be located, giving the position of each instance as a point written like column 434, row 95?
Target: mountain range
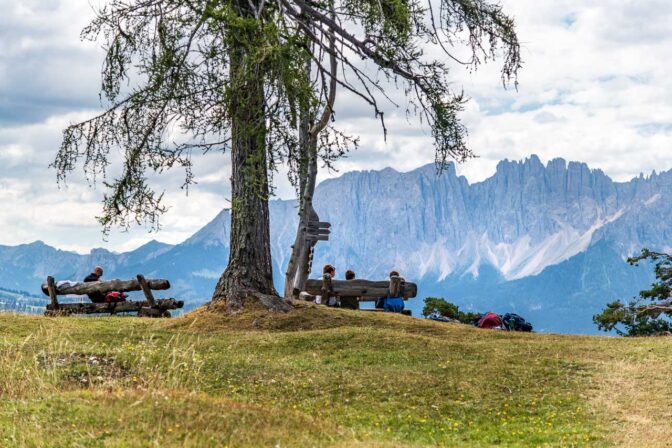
column 546, row 241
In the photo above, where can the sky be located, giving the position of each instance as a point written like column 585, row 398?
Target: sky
column 595, row 87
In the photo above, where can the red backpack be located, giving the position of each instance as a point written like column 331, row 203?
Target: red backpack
column 115, row 297
column 490, row 320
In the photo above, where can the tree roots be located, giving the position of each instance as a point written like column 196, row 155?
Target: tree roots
column 236, row 302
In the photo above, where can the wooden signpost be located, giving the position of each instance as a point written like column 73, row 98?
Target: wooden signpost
column 317, row 231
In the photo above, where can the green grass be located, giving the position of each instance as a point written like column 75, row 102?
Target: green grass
column 323, row 377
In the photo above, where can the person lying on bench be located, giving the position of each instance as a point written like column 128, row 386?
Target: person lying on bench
column 350, row 302
column 391, row 304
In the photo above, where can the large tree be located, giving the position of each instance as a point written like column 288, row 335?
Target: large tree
column 232, row 75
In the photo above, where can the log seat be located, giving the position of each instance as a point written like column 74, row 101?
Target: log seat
column 150, row 307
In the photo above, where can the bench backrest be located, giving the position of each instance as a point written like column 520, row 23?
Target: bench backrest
column 367, row 290
column 108, row 286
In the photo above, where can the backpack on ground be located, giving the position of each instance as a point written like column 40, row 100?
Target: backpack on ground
column 490, row 320
column 514, row 322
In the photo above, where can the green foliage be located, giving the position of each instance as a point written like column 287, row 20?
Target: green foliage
column 648, row 315
column 627, row 320
column 447, row 309
column 181, row 77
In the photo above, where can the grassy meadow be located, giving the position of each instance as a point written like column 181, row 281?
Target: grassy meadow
column 323, row 377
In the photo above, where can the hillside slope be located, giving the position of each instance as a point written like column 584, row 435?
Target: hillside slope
column 350, row 378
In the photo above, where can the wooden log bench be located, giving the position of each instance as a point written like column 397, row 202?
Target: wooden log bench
column 150, row 307
column 366, row 290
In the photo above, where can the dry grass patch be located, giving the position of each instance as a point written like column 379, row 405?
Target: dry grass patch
column 165, row 418
column 633, row 392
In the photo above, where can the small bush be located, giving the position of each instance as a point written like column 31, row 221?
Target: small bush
column 447, row 309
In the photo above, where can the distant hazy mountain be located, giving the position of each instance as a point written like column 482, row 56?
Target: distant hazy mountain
column 22, row 302
column 548, row 242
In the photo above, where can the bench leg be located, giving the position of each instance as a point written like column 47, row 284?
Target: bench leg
column 153, row 312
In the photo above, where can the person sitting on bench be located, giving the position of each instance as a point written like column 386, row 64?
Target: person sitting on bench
column 99, row 297
column 391, row 304
column 350, row 302
column 331, row 300
column 95, row 297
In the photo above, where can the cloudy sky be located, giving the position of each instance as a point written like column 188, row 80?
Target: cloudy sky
column 596, row 87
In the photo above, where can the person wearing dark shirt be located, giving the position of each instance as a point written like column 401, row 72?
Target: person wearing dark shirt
column 95, row 297
column 346, row 301
column 330, row 300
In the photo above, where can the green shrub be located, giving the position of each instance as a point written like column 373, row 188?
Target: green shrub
column 447, row 309
column 651, row 313
column 631, row 319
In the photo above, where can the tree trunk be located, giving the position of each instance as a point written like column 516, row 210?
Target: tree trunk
column 249, row 272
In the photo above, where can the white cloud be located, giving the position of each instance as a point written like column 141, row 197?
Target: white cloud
column 595, row 87
column 12, row 155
